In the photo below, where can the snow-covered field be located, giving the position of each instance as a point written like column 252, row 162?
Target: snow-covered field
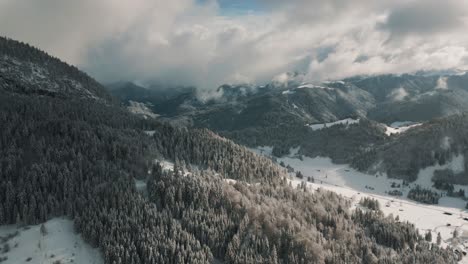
column 59, row 245
column 141, row 109
column 313, row 86
column 400, row 127
column 347, row 121
column 446, row 217
column 394, row 128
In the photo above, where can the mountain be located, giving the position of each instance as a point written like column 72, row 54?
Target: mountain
column 27, row 70
column 144, row 191
column 282, row 115
column 435, row 143
column 414, row 97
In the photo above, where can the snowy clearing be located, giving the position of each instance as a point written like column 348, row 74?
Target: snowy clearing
column 60, row 244
column 347, row 121
column 457, row 165
column 400, row 127
column 141, row 109
column 313, row 86
column 150, row 132
column 288, row 92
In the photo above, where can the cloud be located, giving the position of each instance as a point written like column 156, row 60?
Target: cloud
column 193, row 42
column 442, row 83
column 399, row 94
column 425, row 17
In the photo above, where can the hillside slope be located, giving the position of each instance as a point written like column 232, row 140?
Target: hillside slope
column 25, row 69
column 75, row 156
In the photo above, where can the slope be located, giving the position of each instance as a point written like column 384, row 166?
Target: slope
column 75, row 156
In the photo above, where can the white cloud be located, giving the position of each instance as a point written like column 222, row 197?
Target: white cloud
column 399, row 94
column 185, row 42
column 442, row 83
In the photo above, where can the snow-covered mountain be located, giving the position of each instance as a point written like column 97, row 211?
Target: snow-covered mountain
column 27, row 70
column 284, row 113
column 66, row 153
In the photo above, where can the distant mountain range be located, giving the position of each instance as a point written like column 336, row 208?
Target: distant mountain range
column 25, row 69
column 383, row 98
column 144, row 191
column 279, row 114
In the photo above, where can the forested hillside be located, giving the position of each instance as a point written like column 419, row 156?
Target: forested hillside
column 246, row 112
column 28, row 70
column 436, row 142
column 79, row 156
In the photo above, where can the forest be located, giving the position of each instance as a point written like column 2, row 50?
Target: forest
column 79, row 157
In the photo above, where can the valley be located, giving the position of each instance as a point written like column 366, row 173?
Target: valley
column 448, row 216
column 123, row 174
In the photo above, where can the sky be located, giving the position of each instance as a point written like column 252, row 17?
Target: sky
column 206, row 43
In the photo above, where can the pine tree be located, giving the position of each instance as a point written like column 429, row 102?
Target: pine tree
column 439, row 239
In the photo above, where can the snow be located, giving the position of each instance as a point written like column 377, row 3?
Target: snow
column 60, row 243
column 333, row 82
column 230, row 181
column 37, row 76
column 324, row 170
column 347, row 121
column 399, row 124
column 442, row 83
column 288, row 92
column 313, row 86
column 141, row 109
column 457, row 165
column 400, row 127
column 354, row 185
column 169, row 166
column 150, row 132
column 424, row 217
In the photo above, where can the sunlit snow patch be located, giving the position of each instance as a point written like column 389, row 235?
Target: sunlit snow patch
column 141, row 109
column 347, row 121
column 313, row 86
column 60, row 244
column 288, row 92
column 400, row 127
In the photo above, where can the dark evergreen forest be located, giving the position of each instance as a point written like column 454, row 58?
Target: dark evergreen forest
column 79, row 156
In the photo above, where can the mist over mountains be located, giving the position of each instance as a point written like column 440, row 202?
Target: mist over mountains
column 234, row 132
column 144, row 191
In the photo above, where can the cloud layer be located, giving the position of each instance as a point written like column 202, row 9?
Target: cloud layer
column 190, row 42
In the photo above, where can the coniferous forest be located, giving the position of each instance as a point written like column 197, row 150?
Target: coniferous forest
column 79, row 156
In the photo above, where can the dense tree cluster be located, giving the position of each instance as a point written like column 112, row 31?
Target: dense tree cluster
column 445, row 179
column 370, row 203
column 340, row 142
column 80, row 157
column 195, row 146
column 436, row 142
column 422, row 195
